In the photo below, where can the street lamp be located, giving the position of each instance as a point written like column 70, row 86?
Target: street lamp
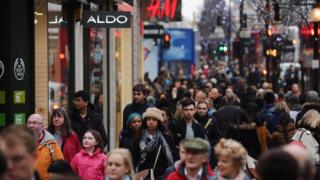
column 315, row 18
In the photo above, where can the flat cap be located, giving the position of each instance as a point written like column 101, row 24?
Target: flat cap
column 196, row 144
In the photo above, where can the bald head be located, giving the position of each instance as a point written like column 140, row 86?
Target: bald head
column 35, row 122
column 300, row 153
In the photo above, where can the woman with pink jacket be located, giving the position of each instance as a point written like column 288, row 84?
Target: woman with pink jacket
column 89, row 163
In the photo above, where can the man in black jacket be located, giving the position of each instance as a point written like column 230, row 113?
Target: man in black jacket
column 139, row 103
column 187, row 127
column 83, row 117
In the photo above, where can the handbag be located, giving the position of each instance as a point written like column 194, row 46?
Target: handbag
column 148, row 173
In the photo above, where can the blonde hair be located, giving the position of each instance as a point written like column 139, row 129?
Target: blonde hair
column 232, row 149
column 282, row 106
column 311, row 119
column 127, row 158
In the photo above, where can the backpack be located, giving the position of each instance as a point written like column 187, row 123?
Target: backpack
column 311, row 144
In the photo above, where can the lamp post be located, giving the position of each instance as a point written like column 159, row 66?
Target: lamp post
column 315, row 18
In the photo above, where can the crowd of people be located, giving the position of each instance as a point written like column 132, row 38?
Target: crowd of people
column 209, row 126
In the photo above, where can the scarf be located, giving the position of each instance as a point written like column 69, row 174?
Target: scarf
column 148, row 145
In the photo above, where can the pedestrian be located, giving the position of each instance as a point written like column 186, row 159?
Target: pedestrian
column 182, row 155
column 153, row 149
column 21, row 149
column 83, row 117
column 60, row 170
column 129, row 135
column 60, row 128
column 89, row 163
column 231, row 160
column 284, row 130
column 187, row 127
column 195, row 165
column 277, row 164
column 119, row 165
column 48, row 149
column 139, row 103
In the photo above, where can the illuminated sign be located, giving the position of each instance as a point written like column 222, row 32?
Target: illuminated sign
column 106, row 19
column 164, row 9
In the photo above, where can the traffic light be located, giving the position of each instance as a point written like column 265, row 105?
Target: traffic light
column 166, row 40
column 223, row 49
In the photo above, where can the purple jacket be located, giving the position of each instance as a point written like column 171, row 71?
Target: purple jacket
column 89, row 167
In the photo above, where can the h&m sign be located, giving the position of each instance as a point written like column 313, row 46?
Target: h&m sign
column 106, row 19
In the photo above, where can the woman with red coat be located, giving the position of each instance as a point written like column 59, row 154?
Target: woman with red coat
column 60, row 128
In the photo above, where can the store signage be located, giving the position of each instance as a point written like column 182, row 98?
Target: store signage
column 2, row 97
column 162, row 8
column 1, row 69
column 19, row 69
column 19, row 118
column 153, row 31
column 19, row 97
column 106, row 19
column 2, row 119
column 55, row 19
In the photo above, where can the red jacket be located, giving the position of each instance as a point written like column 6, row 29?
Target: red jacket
column 71, row 146
column 89, row 167
column 179, row 173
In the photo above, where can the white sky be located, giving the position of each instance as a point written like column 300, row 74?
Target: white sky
column 191, row 6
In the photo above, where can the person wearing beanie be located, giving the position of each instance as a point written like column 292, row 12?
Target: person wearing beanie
column 130, row 134
column 153, row 148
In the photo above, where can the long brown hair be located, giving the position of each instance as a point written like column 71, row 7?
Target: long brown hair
column 66, row 126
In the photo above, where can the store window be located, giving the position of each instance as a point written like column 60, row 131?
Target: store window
column 97, row 55
column 58, row 57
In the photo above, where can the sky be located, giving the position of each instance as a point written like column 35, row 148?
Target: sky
column 191, row 6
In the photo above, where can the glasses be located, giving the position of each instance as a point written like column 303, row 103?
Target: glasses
column 34, row 123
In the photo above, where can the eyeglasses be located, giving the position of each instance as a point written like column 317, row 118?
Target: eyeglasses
column 34, row 122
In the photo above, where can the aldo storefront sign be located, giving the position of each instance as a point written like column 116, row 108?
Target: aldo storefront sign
column 106, row 19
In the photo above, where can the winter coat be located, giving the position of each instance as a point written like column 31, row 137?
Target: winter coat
column 89, row 167
column 179, row 130
column 134, row 108
column 179, row 174
column 47, row 151
column 71, row 146
column 93, row 121
column 127, row 138
column 227, row 115
column 162, row 162
column 278, row 136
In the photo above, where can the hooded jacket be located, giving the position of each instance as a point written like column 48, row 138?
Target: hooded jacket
column 89, row 167
column 47, row 151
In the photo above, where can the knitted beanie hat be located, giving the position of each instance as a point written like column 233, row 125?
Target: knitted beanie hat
column 154, row 113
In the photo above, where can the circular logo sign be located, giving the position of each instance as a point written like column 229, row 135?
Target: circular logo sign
column 1, row 69
column 19, row 69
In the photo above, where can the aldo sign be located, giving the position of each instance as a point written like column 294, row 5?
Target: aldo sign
column 106, row 19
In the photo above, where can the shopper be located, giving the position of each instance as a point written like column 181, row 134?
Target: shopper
column 83, row 117
column 60, row 128
column 119, row 165
column 231, row 160
column 89, row 163
column 21, row 149
column 47, row 148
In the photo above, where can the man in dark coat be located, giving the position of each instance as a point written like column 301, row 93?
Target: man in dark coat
column 139, row 103
column 187, row 127
column 229, row 114
column 83, row 117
